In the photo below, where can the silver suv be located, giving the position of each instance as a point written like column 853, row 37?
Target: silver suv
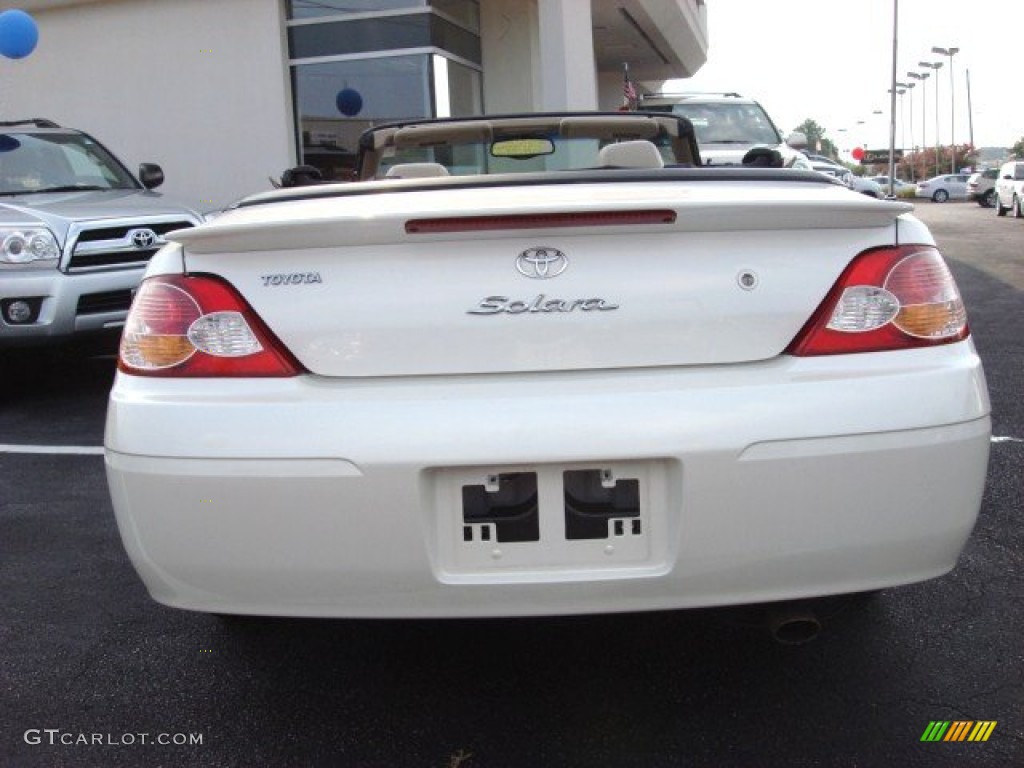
column 728, row 126
column 76, row 232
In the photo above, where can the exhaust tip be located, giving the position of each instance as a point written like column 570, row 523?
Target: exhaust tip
column 793, row 625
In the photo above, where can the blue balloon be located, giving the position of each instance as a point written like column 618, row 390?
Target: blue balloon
column 349, row 102
column 18, row 34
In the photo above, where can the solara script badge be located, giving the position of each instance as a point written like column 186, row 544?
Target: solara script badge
column 496, row 305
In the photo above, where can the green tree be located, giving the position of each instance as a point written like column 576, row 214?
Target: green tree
column 816, row 141
column 1018, row 148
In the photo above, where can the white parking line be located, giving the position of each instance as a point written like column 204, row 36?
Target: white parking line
column 78, row 450
column 1006, row 439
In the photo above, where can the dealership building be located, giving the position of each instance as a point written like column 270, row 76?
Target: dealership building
column 224, row 94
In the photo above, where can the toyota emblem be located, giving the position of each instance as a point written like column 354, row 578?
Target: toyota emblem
column 142, row 238
column 541, row 263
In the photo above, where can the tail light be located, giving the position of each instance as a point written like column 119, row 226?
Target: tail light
column 890, row 298
column 198, row 326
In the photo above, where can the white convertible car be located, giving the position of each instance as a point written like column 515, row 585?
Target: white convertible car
column 545, row 364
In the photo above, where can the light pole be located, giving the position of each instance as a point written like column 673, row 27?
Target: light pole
column 922, row 76
column 970, row 111
column 950, row 52
column 901, row 88
column 936, row 65
column 910, row 89
column 892, row 94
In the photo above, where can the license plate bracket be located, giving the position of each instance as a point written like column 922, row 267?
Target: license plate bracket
column 601, row 519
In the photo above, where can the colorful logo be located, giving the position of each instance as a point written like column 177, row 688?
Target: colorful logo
column 958, row 730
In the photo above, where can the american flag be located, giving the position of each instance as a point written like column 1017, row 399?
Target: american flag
column 629, row 97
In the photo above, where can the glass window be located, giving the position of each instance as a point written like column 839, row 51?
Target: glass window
column 359, row 36
column 726, row 123
column 386, row 33
column 524, row 144
column 457, row 89
column 35, row 163
column 472, row 158
column 336, row 101
column 466, row 12
column 454, row 39
column 310, row 9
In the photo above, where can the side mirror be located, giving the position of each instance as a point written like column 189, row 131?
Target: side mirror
column 301, row 176
column 797, row 140
column 151, row 175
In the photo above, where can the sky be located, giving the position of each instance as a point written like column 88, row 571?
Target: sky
column 831, row 61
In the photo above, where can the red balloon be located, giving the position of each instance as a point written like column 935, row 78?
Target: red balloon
column 858, row 153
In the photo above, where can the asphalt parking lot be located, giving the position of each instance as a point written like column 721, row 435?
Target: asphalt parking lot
column 93, row 673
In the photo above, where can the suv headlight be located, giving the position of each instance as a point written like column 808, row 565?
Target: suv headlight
column 26, row 246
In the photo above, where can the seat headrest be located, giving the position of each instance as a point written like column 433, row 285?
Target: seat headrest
column 416, row 171
column 630, row 154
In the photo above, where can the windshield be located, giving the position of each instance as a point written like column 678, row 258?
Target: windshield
column 728, row 123
column 480, row 158
column 526, row 144
column 32, row 163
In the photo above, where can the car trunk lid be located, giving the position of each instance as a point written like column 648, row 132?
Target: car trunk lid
column 460, row 279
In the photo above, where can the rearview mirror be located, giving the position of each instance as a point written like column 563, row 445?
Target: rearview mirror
column 522, row 148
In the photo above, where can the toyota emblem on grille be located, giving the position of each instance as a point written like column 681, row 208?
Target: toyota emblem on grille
column 541, row 263
column 142, row 238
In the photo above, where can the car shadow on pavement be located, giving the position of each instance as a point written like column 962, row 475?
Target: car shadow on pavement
column 56, row 395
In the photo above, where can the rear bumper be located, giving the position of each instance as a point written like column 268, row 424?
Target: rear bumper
column 785, row 479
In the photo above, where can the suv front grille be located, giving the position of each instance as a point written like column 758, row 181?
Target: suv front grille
column 125, row 245
column 85, row 261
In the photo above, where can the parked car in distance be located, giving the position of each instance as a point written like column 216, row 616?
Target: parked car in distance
column 544, row 364
column 981, row 187
column 822, row 159
column 939, row 189
column 829, row 167
column 727, row 126
column 77, row 229
column 866, row 186
column 835, row 171
column 899, row 185
column 1010, row 189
